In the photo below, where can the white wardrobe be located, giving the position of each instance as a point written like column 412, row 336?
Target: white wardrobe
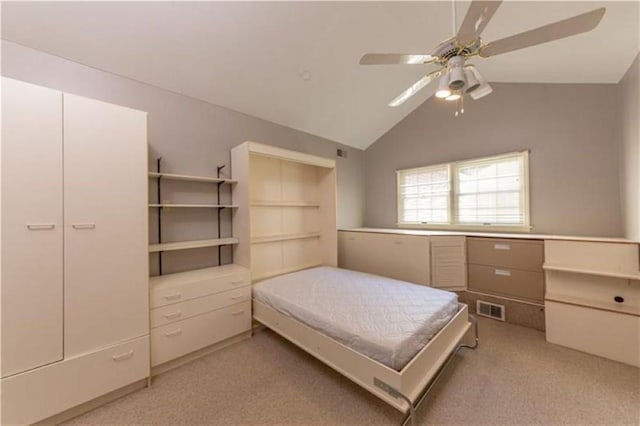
column 73, row 259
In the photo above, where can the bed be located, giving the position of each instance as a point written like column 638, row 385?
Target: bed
column 391, row 337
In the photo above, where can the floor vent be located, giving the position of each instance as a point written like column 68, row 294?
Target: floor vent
column 490, row 310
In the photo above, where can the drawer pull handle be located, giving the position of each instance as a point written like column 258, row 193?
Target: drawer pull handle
column 123, row 356
column 618, row 299
column 236, row 282
column 176, row 332
column 237, row 297
column 502, row 246
column 503, row 273
column 398, row 243
column 84, row 226
column 173, row 296
column 173, row 315
column 40, row 226
column 236, row 313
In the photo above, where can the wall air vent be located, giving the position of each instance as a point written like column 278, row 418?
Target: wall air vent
column 490, row 310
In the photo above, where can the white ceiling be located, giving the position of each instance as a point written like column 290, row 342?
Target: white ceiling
column 249, row 56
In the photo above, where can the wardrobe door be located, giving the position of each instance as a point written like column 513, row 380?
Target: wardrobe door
column 106, row 232
column 31, row 291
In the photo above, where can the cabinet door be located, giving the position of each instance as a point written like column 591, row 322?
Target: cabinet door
column 106, row 231
column 31, row 226
column 448, row 263
column 403, row 257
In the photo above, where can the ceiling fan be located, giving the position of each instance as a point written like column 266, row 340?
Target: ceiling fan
column 456, row 77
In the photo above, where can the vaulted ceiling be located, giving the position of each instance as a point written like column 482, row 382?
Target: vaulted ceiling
column 296, row 63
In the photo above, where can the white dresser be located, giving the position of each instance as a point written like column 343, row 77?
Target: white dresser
column 196, row 309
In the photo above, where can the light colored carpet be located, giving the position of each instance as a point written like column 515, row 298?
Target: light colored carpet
column 514, row 377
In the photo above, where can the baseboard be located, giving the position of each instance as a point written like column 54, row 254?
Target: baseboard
column 94, row 403
column 174, row 363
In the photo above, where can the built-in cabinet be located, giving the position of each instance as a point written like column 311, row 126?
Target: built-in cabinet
column 592, row 301
column 509, row 268
column 74, row 263
column 434, row 261
column 290, row 222
column 199, row 309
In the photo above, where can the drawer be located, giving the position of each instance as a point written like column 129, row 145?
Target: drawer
column 174, row 288
column 44, row 392
column 507, row 282
column 180, row 338
column 507, row 253
column 183, row 310
column 607, row 334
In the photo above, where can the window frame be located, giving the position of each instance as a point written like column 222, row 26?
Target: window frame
column 452, row 168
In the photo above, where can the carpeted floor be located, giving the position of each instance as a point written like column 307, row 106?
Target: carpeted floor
column 514, row 377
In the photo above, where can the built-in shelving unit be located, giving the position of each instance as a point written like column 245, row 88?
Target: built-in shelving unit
column 161, row 205
column 197, row 311
column 290, row 222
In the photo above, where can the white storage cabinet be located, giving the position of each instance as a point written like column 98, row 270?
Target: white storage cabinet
column 74, row 321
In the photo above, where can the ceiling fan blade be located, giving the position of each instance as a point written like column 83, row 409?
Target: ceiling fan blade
column 395, row 58
column 416, row 87
column 561, row 29
column 477, row 17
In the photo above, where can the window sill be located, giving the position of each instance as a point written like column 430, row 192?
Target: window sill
column 477, row 228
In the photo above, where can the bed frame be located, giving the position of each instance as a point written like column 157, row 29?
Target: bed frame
column 405, row 389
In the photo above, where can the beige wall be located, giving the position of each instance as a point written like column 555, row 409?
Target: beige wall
column 629, row 92
column 192, row 137
column 570, row 129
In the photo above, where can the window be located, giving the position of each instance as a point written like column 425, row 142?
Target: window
column 482, row 193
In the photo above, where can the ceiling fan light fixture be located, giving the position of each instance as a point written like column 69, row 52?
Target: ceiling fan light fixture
column 472, row 81
column 453, row 97
column 443, row 87
column 457, row 80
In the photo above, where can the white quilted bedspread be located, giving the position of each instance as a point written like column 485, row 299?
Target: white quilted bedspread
column 385, row 319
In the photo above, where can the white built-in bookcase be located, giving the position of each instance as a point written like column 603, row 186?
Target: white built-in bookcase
column 290, row 220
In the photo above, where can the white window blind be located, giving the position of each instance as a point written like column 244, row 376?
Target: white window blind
column 490, row 192
column 479, row 193
column 424, row 195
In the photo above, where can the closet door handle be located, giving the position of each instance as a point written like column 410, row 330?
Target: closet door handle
column 175, row 332
column 502, row 246
column 173, row 296
column 172, row 315
column 40, row 226
column 123, row 356
column 84, row 226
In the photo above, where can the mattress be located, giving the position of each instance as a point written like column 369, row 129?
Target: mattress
column 385, row 319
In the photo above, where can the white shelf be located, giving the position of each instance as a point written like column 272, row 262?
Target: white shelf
column 209, row 206
column 284, row 204
column 195, row 275
column 580, row 270
column 184, row 245
column 628, row 309
column 275, row 238
column 173, row 176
